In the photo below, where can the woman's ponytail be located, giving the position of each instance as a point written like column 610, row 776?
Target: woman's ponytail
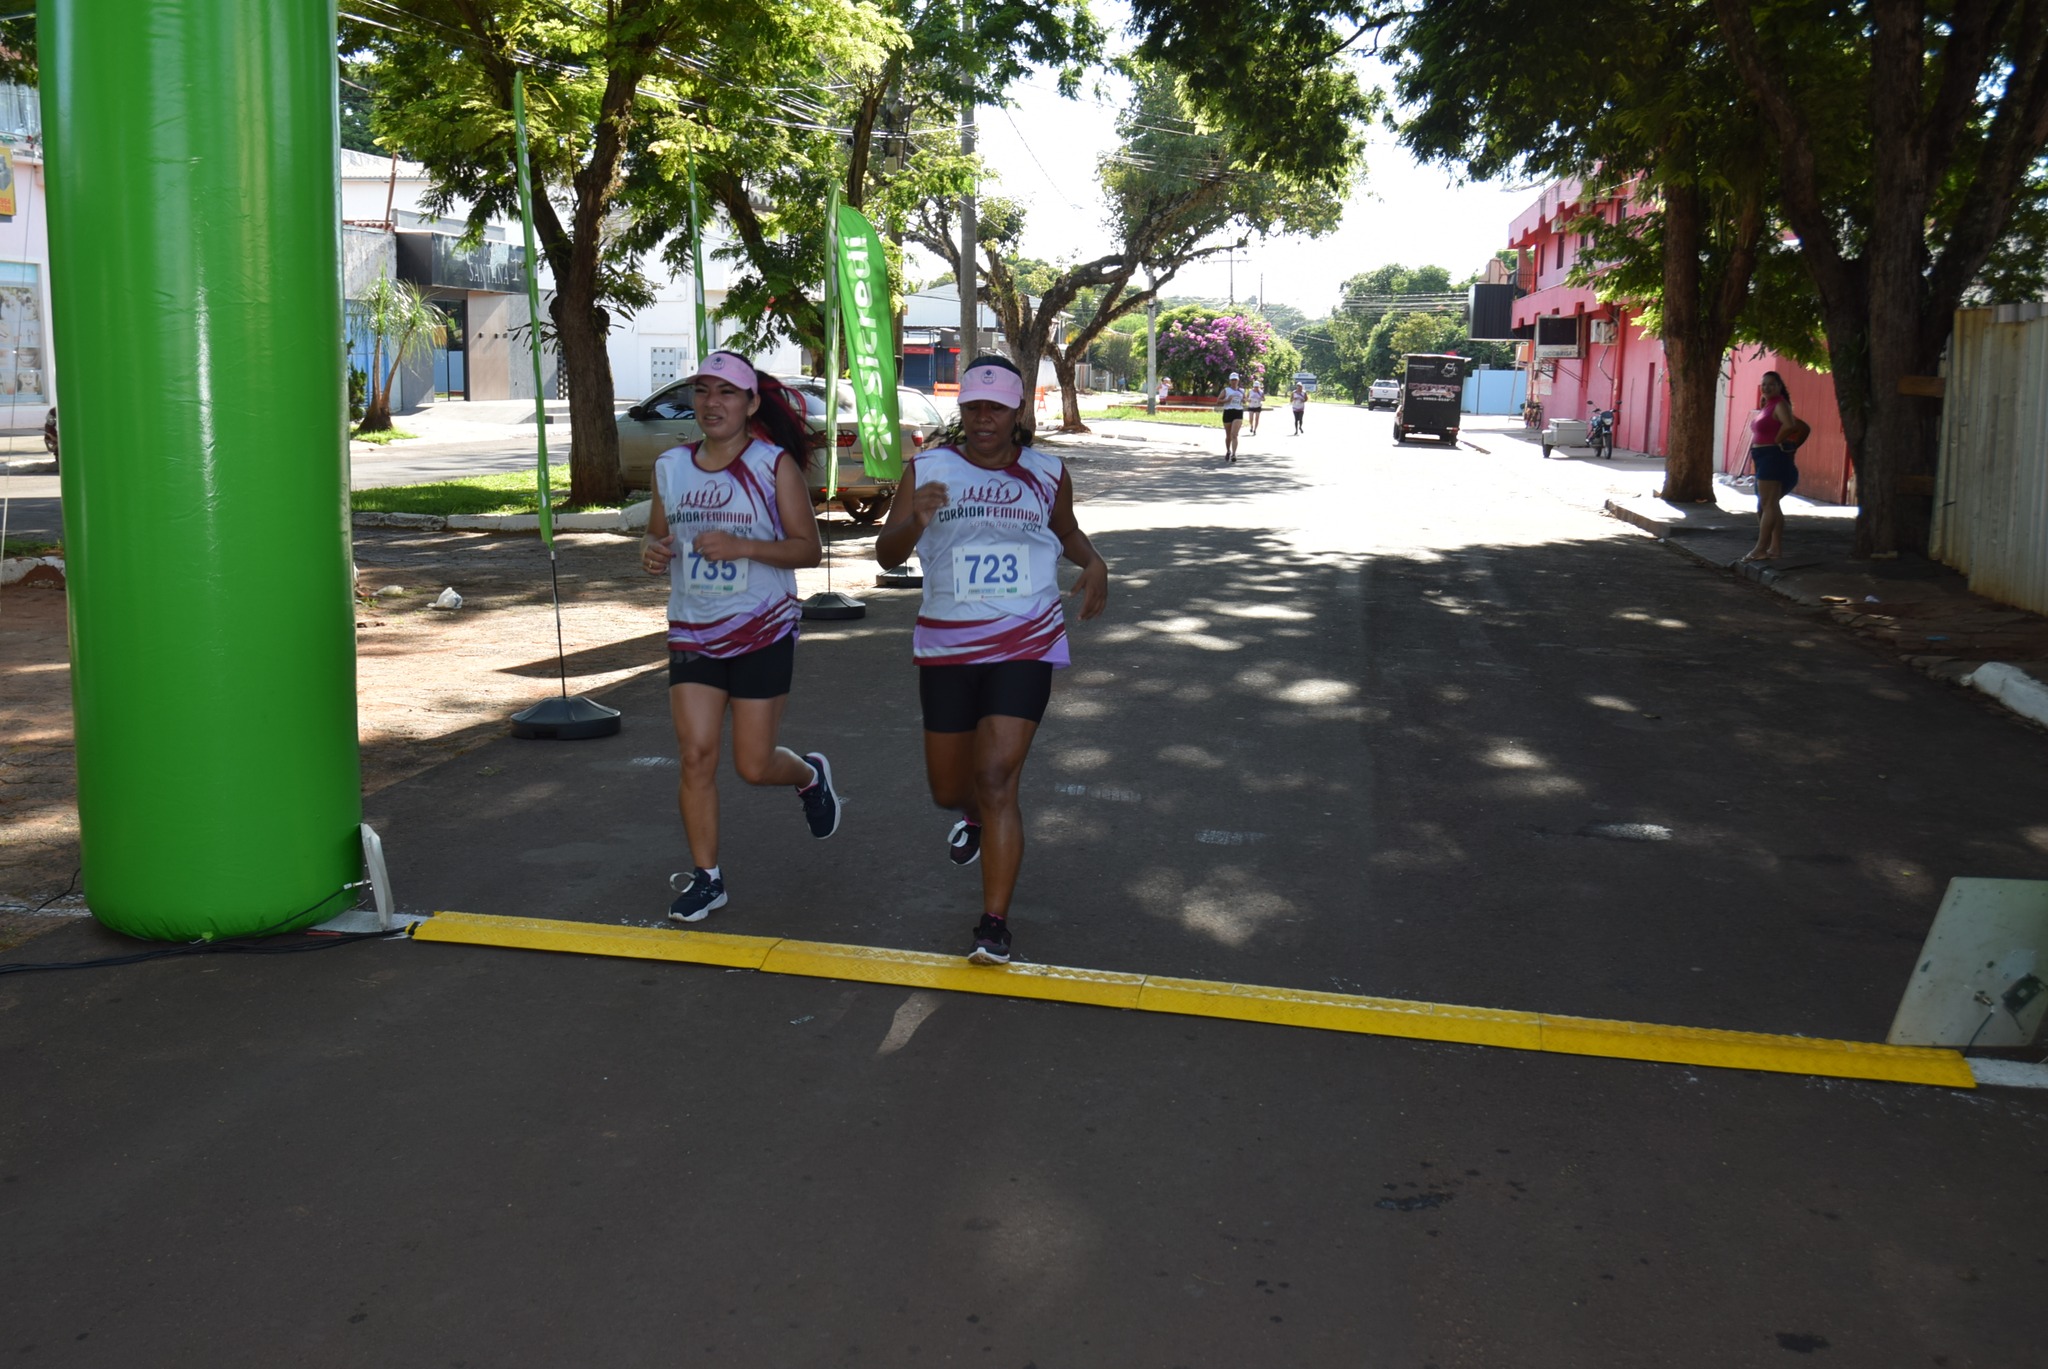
column 780, row 419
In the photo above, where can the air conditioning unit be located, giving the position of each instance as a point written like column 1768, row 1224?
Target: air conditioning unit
column 1604, row 332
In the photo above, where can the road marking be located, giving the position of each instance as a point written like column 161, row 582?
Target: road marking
column 2010, row 1074
column 1550, row 1032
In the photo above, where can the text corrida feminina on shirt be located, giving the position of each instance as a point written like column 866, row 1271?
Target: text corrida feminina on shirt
column 991, row 588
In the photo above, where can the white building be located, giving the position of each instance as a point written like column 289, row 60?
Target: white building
column 28, row 371
column 483, row 291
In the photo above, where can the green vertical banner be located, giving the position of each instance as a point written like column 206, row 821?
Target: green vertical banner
column 540, row 403
column 831, row 457
column 697, row 266
column 870, row 314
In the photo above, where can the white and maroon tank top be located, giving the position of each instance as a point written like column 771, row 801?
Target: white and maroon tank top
column 991, row 588
column 724, row 608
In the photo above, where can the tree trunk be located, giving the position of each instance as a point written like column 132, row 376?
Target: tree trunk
column 1694, row 370
column 1070, row 399
column 1898, row 445
column 1029, row 348
column 377, row 411
column 594, row 476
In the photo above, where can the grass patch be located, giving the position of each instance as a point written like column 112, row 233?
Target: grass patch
column 17, row 546
column 388, row 435
column 1189, row 418
column 509, row 492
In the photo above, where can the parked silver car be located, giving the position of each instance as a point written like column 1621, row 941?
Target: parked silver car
column 864, row 498
column 669, row 418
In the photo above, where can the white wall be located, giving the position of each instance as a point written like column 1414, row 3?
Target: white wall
column 669, row 323
column 27, row 240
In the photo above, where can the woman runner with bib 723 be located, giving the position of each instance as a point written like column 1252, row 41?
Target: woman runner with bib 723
column 989, row 517
column 730, row 524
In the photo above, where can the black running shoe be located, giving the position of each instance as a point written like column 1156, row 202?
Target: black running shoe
column 963, row 843
column 697, row 894
column 991, row 942
column 821, row 800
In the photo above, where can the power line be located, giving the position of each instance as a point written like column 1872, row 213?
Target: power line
column 1040, row 165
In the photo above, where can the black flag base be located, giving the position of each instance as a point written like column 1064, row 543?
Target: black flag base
column 830, row 606
column 909, row 575
column 563, row 718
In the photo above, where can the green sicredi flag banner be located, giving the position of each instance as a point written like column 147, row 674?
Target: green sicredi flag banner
column 869, row 314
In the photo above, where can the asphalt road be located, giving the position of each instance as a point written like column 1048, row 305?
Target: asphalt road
column 1409, row 721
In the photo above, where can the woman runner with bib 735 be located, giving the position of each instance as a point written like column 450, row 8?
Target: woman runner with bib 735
column 730, row 524
column 989, row 517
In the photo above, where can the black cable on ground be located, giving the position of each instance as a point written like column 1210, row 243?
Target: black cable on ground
column 321, row 943
column 69, row 885
column 241, row 946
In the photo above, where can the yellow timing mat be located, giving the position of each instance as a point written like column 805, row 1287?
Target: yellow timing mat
column 1209, row 998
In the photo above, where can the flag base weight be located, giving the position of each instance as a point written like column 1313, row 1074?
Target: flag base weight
column 909, row 575
column 830, row 605
column 565, row 719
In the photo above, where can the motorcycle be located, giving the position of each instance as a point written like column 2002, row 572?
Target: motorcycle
column 1600, row 433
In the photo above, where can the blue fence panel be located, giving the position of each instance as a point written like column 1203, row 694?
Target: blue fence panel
column 1495, row 392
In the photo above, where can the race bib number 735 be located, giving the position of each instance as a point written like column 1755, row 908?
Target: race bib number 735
column 707, row 578
column 992, row 570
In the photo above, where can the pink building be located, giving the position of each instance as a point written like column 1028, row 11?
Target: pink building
column 1584, row 355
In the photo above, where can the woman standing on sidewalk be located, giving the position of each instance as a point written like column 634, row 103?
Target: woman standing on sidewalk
column 1232, row 405
column 730, row 524
column 1775, row 434
column 989, row 517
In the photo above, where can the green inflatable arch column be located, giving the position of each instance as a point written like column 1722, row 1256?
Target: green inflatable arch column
column 195, row 235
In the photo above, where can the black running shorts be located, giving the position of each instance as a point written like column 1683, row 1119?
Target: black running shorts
column 957, row 697
column 763, row 674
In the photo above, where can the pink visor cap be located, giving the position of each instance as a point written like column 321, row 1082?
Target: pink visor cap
column 996, row 383
column 731, row 370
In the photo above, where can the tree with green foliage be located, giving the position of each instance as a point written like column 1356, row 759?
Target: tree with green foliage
column 1909, row 141
column 1674, row 158
column 616, row 95
column 1354, row 346
column 18, row 49
column 1178, row 192
column 888, row 138
column 1119, row 353
column 356, row 133
column 403, row 326
column 1283, row 359
column 1200, row 347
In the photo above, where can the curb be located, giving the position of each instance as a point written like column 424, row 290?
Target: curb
column 38, row 572
column 2011, row 686
column 632, row 518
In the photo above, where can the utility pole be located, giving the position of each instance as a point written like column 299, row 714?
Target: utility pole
column 1152, row 347
column 970, row 314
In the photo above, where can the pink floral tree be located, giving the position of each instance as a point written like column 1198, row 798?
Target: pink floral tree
column 1200, row 349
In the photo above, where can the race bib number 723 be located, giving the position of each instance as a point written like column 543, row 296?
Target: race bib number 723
column 992, row 570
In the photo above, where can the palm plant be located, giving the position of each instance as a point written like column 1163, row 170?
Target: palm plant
column 404, row 326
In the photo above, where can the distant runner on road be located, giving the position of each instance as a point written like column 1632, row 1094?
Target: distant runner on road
column 1297, row 400
column 1232, row 404
column 989, row 517
column 730, row 524
column 1255, row 404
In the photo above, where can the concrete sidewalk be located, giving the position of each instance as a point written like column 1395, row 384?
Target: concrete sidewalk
column 1922, row 610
